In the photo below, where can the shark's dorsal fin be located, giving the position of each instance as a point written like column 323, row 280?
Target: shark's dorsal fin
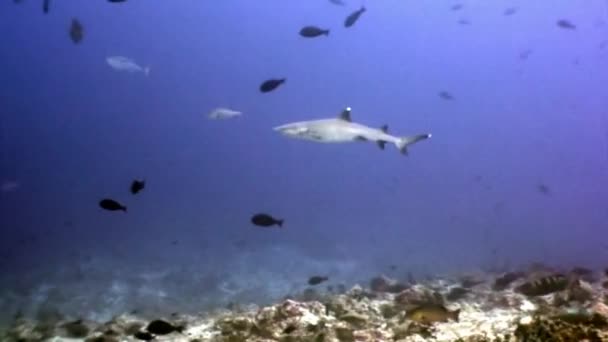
column 345, row 115
column 384, row 128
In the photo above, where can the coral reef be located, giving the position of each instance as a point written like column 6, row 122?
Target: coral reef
column 528, row 307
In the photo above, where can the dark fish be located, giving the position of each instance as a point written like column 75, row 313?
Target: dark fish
column 565, row 24
column 46, row 6
column 510, row 11
column 112, row 205
column 290, row 328
column 464, row 22
column 160, row 327
column 543, row 189
column 338, row 2
column 316, row 280
column 143, row 335
column 445, row 95
column 76, row 31
column 265, row 220
column 505, row 280
column 353, row 17
column 137, row 186
column 457, row 7
column 431, row 313
column 543, row 286
column 117, row 1
column 313, row 31
column 271, row 84
column 525, row 54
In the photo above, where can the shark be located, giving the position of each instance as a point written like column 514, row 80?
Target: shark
column 342, row 130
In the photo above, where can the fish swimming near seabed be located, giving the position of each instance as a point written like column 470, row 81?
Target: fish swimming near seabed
column 342, row 130
column 121, row 63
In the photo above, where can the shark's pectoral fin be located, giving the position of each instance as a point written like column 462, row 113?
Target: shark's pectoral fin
column 381, row 144
column 384, row 128
column 360, row 138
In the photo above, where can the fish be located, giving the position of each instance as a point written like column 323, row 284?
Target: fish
column 510, row 11
column 343, row 130
column 265, row 220
column 543, row 189
column 137, row 186
column 143, row 335
column 543, row 286
column 111, row 205
column 271, row 84
column 505, row 280
column 457, row 7
column 224, row 113
column 566, row 24
column 121, row 63
column 431, row 313
column 160, row 327
column 76, row 31
column 313, row 31
column 316, row 280
column 46, row 6
column 464, row 22
column 9, row 186
column 353, row 17
column 525, row 54
column 446, row 95
column 338, row 2
column 117, row 1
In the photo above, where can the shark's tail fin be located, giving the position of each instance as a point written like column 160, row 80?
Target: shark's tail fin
column 403, row 142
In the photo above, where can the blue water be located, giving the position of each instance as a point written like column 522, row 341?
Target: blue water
column 74, row 131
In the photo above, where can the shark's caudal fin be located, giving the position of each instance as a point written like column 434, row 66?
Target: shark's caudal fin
column 403, row 142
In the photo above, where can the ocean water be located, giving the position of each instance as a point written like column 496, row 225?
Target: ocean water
column 516, row 170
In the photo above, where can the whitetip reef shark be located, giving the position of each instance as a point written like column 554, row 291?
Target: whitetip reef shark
column 342, row 130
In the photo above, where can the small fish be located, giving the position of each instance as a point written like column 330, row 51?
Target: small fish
column 121, row 63
column 457, row 293
column 543, row 189
column 289, row 329
column 565, row 24
column 313, row 31
column 271, row 84
column 353, row 17
column 445, row 95
column 46, row 6
column 111, row 205
column 525, row 54
column 505, row 280
column 117, row 1
column 224, row 113
column 338, row 2
column 510, row 11
column 76, row 31
column 316, row 280
column 137, row 186
column 464, row 22
column 431, row 313
column 457, row 7
column 160, row 327
column 265, row 220
column 144, row 336
column 9, row 186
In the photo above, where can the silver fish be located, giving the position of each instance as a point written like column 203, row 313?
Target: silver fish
column 224, row 113
column 121, row 63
